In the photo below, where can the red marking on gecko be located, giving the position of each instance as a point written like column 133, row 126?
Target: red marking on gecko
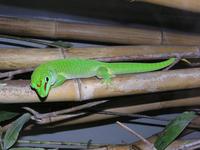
column 45, row 86
column 39, row 85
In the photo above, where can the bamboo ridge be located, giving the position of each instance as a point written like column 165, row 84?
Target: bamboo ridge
column 29, row 57
column 89, row 32
column 189, row 5
column 83, row 89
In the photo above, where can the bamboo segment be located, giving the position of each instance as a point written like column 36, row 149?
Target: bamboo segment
column 140, row 145
column 63, row 30
column 180, row 38
column 189, row 5
column 178, row 144
column 89, row 32
column 24, row 58
column 185, row 102
column 84, row 89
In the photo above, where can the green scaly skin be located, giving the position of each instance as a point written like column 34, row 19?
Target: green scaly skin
column 54, row 73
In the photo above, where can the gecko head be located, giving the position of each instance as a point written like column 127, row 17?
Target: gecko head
column 41, row 81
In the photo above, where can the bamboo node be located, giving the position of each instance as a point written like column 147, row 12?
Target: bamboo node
column 78, row 83
column 62, row 52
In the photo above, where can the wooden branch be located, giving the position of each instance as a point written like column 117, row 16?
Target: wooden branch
column 189, row 5
column 64, row 111
column 54, row 119
column 61, row 114
column 185, row 102
column 25, row 58
column 89, row 32
column 129, row 108
column 83, row 89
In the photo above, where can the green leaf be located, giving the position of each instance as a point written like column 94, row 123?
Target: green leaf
column 13, row 131
column 173, row 129
column 6, row 115
column 26, row 148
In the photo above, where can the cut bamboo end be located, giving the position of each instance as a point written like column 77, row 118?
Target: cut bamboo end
column 84, row 89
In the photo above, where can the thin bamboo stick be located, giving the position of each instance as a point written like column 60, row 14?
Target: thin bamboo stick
column 184, row 102
column 93, row 146
column 83, row 89
column 89, row 32
column 24, row 58
column 189, row 5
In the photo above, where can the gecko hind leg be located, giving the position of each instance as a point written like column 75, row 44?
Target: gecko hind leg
column 105, row 74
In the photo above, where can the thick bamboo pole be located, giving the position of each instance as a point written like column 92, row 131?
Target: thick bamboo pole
column 24, row 58
column 83, row 89
column 189, row 5
column 63, row 30
column 89, row 32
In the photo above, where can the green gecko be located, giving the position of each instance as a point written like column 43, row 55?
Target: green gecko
column 54, row 73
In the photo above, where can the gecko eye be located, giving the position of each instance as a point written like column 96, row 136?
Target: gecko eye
column 46, row 79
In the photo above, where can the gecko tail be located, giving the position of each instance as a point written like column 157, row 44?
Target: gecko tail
column 124, row 68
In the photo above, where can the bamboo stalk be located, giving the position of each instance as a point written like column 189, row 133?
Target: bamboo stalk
column 94, row 146
column 175, row 145
column 184, row 102
column 25, row 58
column 63, row 30
column 82, row 89
column 189, row 5
column 89, row 32
column 141, row 146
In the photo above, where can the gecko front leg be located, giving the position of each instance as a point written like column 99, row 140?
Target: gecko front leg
column 59, row 81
